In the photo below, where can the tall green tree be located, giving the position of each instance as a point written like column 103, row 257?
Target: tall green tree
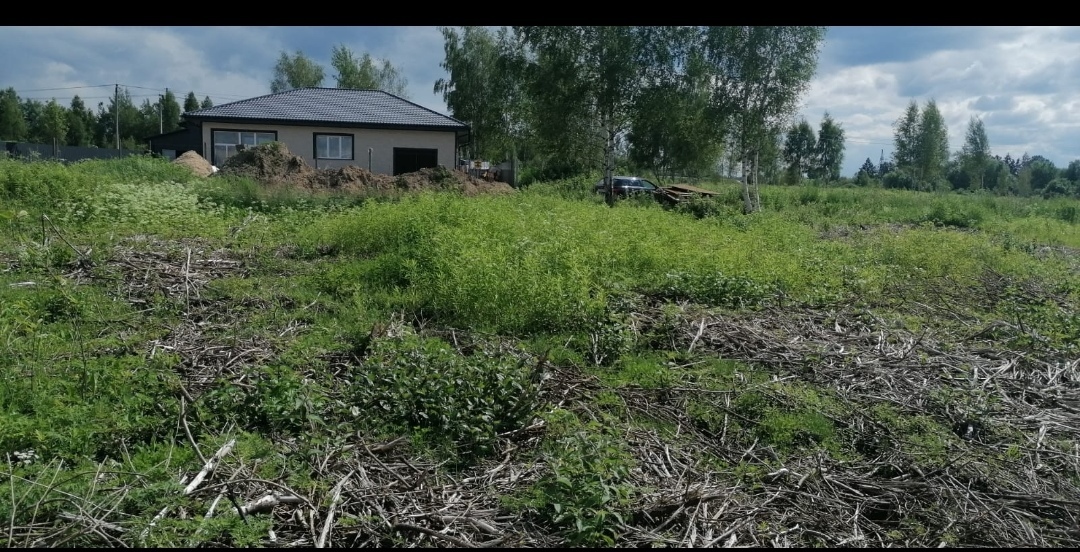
column 670, row 131
column 800, row 149
column 170, row 112
column 561, row 121
column 206, row 103
column 1072, row 172
column 599, row 68
column 933, row 147
column 481, row 87
column 998, row 178
column 975, row 154
column 295, row 71
column 364, row 72
column 150, row 121
column 12, row 121
column 906, row 138
column 1040, row 170
column 829, row 154
column 760, row 73
column 54, row 123
column 191, row 102
column 868, row 168
column 120, row 109
column 32, row 111
column 673, row 126
column 80, row 123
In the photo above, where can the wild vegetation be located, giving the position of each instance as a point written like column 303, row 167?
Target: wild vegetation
column 206, row 362
column 218, row 362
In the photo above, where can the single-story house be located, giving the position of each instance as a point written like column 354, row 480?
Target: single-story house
column 328, row 127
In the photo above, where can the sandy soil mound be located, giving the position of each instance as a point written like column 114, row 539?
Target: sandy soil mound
column 274, row 164
column 198, row 165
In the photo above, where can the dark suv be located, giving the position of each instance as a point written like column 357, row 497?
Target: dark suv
column 627, row 185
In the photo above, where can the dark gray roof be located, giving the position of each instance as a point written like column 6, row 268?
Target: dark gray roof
column 336, row 106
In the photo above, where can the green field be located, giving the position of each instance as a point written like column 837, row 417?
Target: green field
column 848, row 366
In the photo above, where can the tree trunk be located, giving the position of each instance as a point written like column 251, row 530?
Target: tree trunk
column 748, row 206
column 757, row 182
column 609, row 162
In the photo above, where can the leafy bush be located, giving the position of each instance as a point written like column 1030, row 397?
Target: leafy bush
column 587, row 490
column 715, row 289
column 955, row 213
column 1069, row 214
column 707, row 207
column 458, row 404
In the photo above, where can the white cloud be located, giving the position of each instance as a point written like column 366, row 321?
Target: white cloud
column 1022, row 82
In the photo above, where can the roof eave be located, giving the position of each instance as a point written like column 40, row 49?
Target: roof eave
column 335, row 124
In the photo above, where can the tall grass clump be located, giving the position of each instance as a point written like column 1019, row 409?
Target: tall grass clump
column 537, row 262
column 38, row 185
column 144, row 193
column 578, row 188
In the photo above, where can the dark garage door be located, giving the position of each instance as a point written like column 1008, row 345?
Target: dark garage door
column 407, row 160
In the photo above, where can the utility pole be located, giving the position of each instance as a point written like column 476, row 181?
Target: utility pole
column 116, row 112
column 161, row 112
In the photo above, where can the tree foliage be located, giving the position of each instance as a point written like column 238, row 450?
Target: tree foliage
column 365, row 73
column 1039, row 171
column 933, row 152
column 759, row 74
column 191, row 102
column 975, row 155
column 829, row 154
column 120, row 109
column 54, row 123
column 80, row 123
column 921, row 149
column 295, row 71
column 583, row 82
column 868, row 168
column 12, row 122
column 170, row 112
column 800, row 149
column 481, row 87
column 32, row 111
column 906, row 138
column 671, row 99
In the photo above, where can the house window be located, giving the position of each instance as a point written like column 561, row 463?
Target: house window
column 226, row 142
column 334, row 146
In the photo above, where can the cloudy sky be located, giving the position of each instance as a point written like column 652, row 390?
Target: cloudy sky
column 1024, row 82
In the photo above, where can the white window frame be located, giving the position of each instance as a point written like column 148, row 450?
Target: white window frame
column 334, row 143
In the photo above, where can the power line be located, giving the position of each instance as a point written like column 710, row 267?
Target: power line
column 64, row 88
column 95, row 97
column 125, row 86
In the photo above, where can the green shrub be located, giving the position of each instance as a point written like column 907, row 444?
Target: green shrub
column 715, row 289
column 586, row 491
column 457, row 404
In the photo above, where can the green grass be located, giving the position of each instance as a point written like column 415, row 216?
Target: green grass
column 473, row 290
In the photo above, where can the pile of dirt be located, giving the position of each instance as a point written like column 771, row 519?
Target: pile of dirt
column 273, row 164
column 198, row 165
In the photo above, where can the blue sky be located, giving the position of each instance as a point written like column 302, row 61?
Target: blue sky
column 1024, row 82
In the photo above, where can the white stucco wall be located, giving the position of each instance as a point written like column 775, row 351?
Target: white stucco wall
column 300, row 141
